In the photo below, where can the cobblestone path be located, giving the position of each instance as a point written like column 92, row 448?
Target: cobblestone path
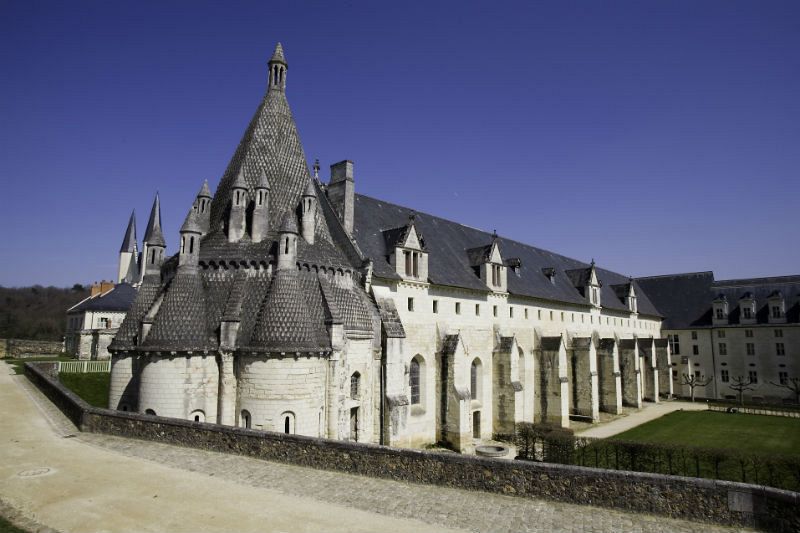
column 437, row 506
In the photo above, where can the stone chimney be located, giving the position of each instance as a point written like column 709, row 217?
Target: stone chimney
column 341, row 193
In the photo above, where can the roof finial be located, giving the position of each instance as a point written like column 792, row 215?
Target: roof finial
column 494, row 234
column 277, row 69
column 412, row 217
column 316, row 169
column 592, row 262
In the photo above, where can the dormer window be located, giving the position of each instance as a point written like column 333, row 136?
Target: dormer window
column 747, row 313
column 777, row 308
column 747, row 306
column 720, row 310
column 550, row 274
column 488, row 264
column 408, row 256
column 587, row 283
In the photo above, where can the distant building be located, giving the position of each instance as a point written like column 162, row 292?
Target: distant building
column 298, row 306
column 93, row 322
column 727, row 330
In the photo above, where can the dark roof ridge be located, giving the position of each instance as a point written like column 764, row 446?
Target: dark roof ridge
column 791, row 278
column 490, row 234
column 678, row 275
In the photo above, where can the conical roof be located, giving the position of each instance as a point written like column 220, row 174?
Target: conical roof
column 192, row 223
column 270, row 145
column 310, row 190
column 129, row 241
column 239, row 182
column 205, row 192
column 288, row 223
column 153, row 234
column 263, row 182
column 277, row 55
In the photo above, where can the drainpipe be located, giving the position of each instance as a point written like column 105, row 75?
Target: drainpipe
column 714, row 365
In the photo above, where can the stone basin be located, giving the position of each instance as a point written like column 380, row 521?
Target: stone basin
column 491, row 450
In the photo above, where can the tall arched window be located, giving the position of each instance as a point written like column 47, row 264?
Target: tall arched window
column 414, row 381
column 244, row 419
column 475, row 379
column 287, row 422
column 355, row 383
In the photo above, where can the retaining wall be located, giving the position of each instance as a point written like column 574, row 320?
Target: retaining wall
column 27, row 348
column 703, row 500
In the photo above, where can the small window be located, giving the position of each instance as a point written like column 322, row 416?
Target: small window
column 753, row 375
column 149, row 412
column 355, row 382
column 494, row 310
column 562, row 316
column 198, row 416
column 783, row 378
column 475, row 379
column 748, row 333
column 288, row 422
column 674, row 344
column 747, row 312
column 720, row 313
column 751, row 348
column 721, row 334
column 695, row 350
column 539, row 314
column 724, row 376
column 526, row 313
column 779, row 349
column 411, row 304
column 458, row 308
column 776, row 311
column 694, row 335
column 436, row 306
column 244, row 419
column 510, row 312
column 674, row 375
column 477, row 309
column 723, row 348
column 778, row 333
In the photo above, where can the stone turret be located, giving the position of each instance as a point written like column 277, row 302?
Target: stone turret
column 287, row 242
column 128, row 254
column 277, row 69
column 237, row 218
column 309, row 210
column 190, row 240
column 341, row 193
column 203, row 206
column 154, row 244
column 261, row 209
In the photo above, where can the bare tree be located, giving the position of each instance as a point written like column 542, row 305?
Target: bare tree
column 740, row 385
column 693, row 381
column 792, row 384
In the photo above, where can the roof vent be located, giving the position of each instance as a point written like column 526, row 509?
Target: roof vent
column 550, row 273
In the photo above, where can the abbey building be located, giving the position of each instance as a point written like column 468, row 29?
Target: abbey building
column 300, row 306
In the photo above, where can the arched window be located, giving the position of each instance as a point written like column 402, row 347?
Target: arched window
column 123, row 407
column 191, row 245
column 355, row 383
column 198, row 416
column 150, row 412
column 414, row 381
column 244, row 419
column 475, row 379
column 287, row 423
column 521, row 364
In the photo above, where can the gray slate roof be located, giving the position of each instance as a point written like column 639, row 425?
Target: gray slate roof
column 452, row 249
column 149, row 289
column 153, row 234
column 129, row 241
column 119, row 299
column 685, row 299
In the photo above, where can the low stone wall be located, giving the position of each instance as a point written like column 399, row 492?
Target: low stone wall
column 703, row 500
column 20, row 348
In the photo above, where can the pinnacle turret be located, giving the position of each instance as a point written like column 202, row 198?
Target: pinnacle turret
column 277, row 69
column 277, row 55
column 129, row 241
column 153, row 234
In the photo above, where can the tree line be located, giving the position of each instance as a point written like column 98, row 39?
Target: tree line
column 37, row 313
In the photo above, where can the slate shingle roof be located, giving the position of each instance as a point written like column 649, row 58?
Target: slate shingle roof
column 450, row 262
column 153, row 233
column 685, row 299
column 180, row 323
column 119, row 299
column 129, row 241
column 128, row 332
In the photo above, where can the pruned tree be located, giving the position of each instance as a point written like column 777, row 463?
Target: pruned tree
column 739, row 384
column 693, row 381
column 793, row 385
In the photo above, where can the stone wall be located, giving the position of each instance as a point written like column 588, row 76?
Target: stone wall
column 704, row 500
column 21, row 348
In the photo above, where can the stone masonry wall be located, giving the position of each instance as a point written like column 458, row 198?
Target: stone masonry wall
column 688, row 498
column 20, row 348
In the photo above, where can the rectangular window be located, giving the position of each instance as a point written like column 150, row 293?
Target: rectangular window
column 510, row 312
column 494, row 310
column 720, row 313
column 695, row 350
column 562, row 316
column 721, row 334
column 748, row 333
column 436, row 306
column 776, row 311
column 753, row 375
column 723, row 376
column 779, row 333
column 674, row 344
column 674, row 375
column 411, row 304
column 694, row 335
column 526, row 314
column 407, row 262
column 723, row 348
column 458, row 308
column 539, row 314
column 779, row 349
column 416, row 264
column 748, row 313
column 751, row 348
column 783, row 378
column 477, row 309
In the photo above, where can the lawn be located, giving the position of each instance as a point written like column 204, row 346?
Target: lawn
column 19, row 364
column 758, row 434
column 92, row 386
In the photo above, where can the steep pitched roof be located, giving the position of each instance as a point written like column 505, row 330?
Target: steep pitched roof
column 180, row 323
column 118, row 299
column 128, row 332
column 129, row 241
column 453, row 248
column 684, row 299
column 153, row 234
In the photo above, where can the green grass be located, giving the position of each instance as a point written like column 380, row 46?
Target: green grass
column 92, row 387
column 758, row 434
column 18, row 364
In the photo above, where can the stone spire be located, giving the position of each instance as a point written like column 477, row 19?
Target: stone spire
column 309, row 210
column 154, row 244
column 237, row 218
column 277, row 69
column 190, row 239
column 287, row 242
column 128, row 254
column 202, row 204
column 260, row 226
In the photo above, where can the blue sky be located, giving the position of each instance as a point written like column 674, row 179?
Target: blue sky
column 655, row 137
